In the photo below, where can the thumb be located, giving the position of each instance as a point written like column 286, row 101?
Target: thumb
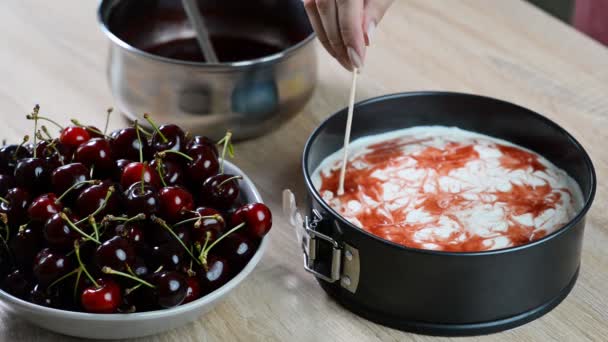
column 374, row 12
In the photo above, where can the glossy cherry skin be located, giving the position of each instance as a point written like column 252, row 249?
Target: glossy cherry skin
column 141, row 201
column 193, row 292
column 17, row 284
column 119, row 167
column 41, row 296
column 65, row 176
column 173, row 201
column 59, row 234
column 32, row 174
column 94, row 132
column 16, row 208
column 7, row 182
column 204, row 165
column 96, row 152
column 237, row 248
column 131, row 231
column 43, row 207
column 172, row 172
column 174, row 139
column 198, row 140
column 170, row 288
column 213, row 224
column 10, row 155
column 103, row 299
column 93, row 197
column 257, row 218
column 169, row 256
column 125, row 144
column 115, row 253
column 216, row 273
column 73, row 136
column 26, row 244
column 220, row 191
column 51, row 266
column 135, row 172
column 59, row 154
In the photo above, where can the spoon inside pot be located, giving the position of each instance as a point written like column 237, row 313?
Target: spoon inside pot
column 202, row 34
column 349, row 123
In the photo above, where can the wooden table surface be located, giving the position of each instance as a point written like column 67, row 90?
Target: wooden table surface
column 54, row 54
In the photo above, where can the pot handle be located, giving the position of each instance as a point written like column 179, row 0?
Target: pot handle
column 344, row 258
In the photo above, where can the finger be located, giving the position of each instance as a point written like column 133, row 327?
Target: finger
column 350, row 18
column 328, row 11
column 374, row 12
column 315, row 21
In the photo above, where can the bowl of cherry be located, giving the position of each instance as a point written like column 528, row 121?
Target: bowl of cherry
column 123, row 234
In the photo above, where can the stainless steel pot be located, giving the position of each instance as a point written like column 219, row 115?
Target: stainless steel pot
column 248, row 97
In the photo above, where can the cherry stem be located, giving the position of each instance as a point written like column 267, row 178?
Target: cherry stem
column 84, row 269
column 30, row 117
column 109, row 111
column 151, row 122
column 94, row 225
column 26, row 138
column 46, row 131
column 215, row 216
column 74, row 186
column 76, row 283
column 159, row 169
column 90, row 129
column 108, row 270
column 126, row 220
column 63, row 277
column 164, row 224
column 143, row 179
column 146, row 133
column 131, row 289
column 4, row 200
column 163, row 154
column 227, row 146
column 78, row 230
column 223, row 236
column 35, row 115
column 228, row 180
column 141, row 146
column 109, row 193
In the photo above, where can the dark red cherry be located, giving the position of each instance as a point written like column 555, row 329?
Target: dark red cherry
column 257, row 218
column 94, row 132
column 103, row 299
column 10, row 155
column 43, row 207
column 96, row 152
column 173, row 139
column 170, row 288
column 213, row 225
column 26, row 244
column 17, row 284
column 74, row 136
column 42, row 296
column 7, row 182
column 198, row 140
column 216, row 273
column 93, row 197
column 54, row 152
column 125, row 144
column 50, row 267
column 172, row 172
column 32, row 174
column 204, row 165
column 135, row 172
column 67, row 175
column 16, row 208
column 59, row 234
column 173, row 201
column 115, row 253
column 131, row 231
column 169, row 256
column 220, row 191
column 238, row 249
column 43, row 253
column 193, row 292
column 138, row 200
column 119, row 167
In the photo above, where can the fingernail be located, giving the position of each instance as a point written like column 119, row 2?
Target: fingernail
column 355, row 59
column 371, row 28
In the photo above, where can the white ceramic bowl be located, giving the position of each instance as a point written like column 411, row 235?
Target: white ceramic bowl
column 118, row 326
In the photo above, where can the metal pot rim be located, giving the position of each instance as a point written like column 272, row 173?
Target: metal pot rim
column 222, row 65
column 579, row 216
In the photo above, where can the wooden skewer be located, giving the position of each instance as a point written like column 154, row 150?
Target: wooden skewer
column 349, row 123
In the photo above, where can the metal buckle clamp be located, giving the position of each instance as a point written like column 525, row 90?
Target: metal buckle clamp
column 310, row 251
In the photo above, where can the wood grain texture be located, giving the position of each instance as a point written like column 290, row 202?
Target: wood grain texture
column 54, row 54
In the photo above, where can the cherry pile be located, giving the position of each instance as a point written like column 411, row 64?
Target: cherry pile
column 132, row 221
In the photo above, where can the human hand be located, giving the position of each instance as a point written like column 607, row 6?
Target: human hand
column 345, row 27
